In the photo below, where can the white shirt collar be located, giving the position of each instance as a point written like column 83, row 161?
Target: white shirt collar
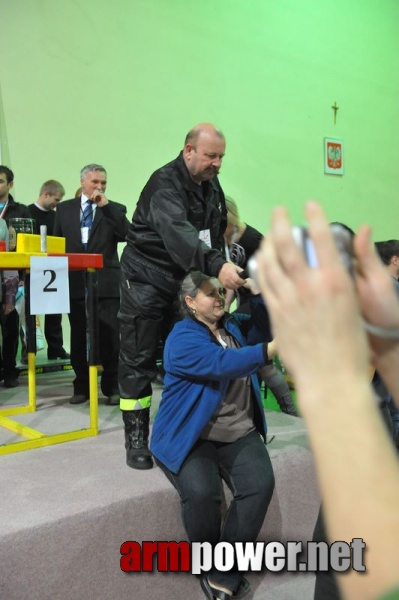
column 41, row 207
column 83, row 201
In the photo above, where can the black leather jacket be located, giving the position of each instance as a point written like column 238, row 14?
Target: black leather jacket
column 170, row 213
column 16, row 210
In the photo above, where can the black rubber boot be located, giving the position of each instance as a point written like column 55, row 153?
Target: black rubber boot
column 137, row 429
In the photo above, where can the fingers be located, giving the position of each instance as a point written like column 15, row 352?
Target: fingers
column 365, row 251
column 280, row 259
column 283, row 269
column 229, row 277
column 321, row 235
column 372, row 275
column 269, row 271
column 289, row 255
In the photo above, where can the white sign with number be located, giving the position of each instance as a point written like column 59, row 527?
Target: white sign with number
column 49, row 285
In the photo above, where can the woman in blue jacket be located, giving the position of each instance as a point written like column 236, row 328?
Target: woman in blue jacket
column 211, row 424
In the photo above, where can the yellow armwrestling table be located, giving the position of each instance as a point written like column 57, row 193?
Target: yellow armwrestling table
column 27, row 246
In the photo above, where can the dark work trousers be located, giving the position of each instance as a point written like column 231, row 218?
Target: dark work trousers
column 108, row 345
column 10, row 335
column 146, row 314
column 246, row 468
column 53, row 333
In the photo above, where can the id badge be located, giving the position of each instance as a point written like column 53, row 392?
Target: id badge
column 205, row 236
column 84, row 232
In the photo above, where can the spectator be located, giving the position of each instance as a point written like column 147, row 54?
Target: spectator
column 43, row 211
column 211, row 424
column 92, row 223
column 9, row 209
column 320, row 316
column 242, row 242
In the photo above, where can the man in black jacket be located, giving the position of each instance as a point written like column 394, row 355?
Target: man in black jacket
column 92, row 223
column 177, row 226
column 9, row 209
column 51, row 193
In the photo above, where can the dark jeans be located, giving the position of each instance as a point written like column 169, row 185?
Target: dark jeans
column 246, row 468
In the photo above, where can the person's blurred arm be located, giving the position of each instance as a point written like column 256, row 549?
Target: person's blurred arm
column 380, row 307
column 320, row 335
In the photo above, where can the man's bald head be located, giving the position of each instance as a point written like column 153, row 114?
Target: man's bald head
column 202, row 129
column 204, row 149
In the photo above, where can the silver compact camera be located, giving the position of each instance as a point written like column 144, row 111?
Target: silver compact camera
column 343, row 240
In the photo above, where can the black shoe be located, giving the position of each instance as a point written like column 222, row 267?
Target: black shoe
column 211, row 593
column 62, row 354
column 243, row 589
column 78, row 399
column 11, row 382
column 137, row 429
column 113, row 400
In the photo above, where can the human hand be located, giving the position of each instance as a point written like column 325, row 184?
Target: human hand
column 99, row 198
column 272, row 349
column 314, row 310
column 229, row 276
column 251, row 286
column 8, row 308
column 377, row 295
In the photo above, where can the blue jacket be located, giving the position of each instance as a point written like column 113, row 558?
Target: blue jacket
column 198, row 371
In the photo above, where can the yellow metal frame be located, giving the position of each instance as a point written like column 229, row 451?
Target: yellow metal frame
column 37, row 439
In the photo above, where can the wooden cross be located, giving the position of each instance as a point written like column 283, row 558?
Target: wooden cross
column 335, row 108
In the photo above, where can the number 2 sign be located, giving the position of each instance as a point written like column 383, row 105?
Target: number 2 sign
column 49, row 285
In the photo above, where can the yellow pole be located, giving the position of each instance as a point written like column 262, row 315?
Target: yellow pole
column 93, row 388
column 32, row 381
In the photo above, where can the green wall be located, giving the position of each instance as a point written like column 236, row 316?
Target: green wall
column 121, row 82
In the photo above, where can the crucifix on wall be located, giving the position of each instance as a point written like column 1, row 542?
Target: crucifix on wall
column 335, row 109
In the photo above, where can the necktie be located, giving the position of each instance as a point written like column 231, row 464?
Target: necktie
column 87, row 219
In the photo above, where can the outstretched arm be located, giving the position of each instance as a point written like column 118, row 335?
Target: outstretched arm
column 320, row 334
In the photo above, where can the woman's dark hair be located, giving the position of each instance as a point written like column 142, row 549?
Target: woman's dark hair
column 190, row 286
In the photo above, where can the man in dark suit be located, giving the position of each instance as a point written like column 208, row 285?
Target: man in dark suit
column 92, row 223
column 10, row 209
column 51, row 193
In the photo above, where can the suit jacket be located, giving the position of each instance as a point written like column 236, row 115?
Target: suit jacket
column 109, row 227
